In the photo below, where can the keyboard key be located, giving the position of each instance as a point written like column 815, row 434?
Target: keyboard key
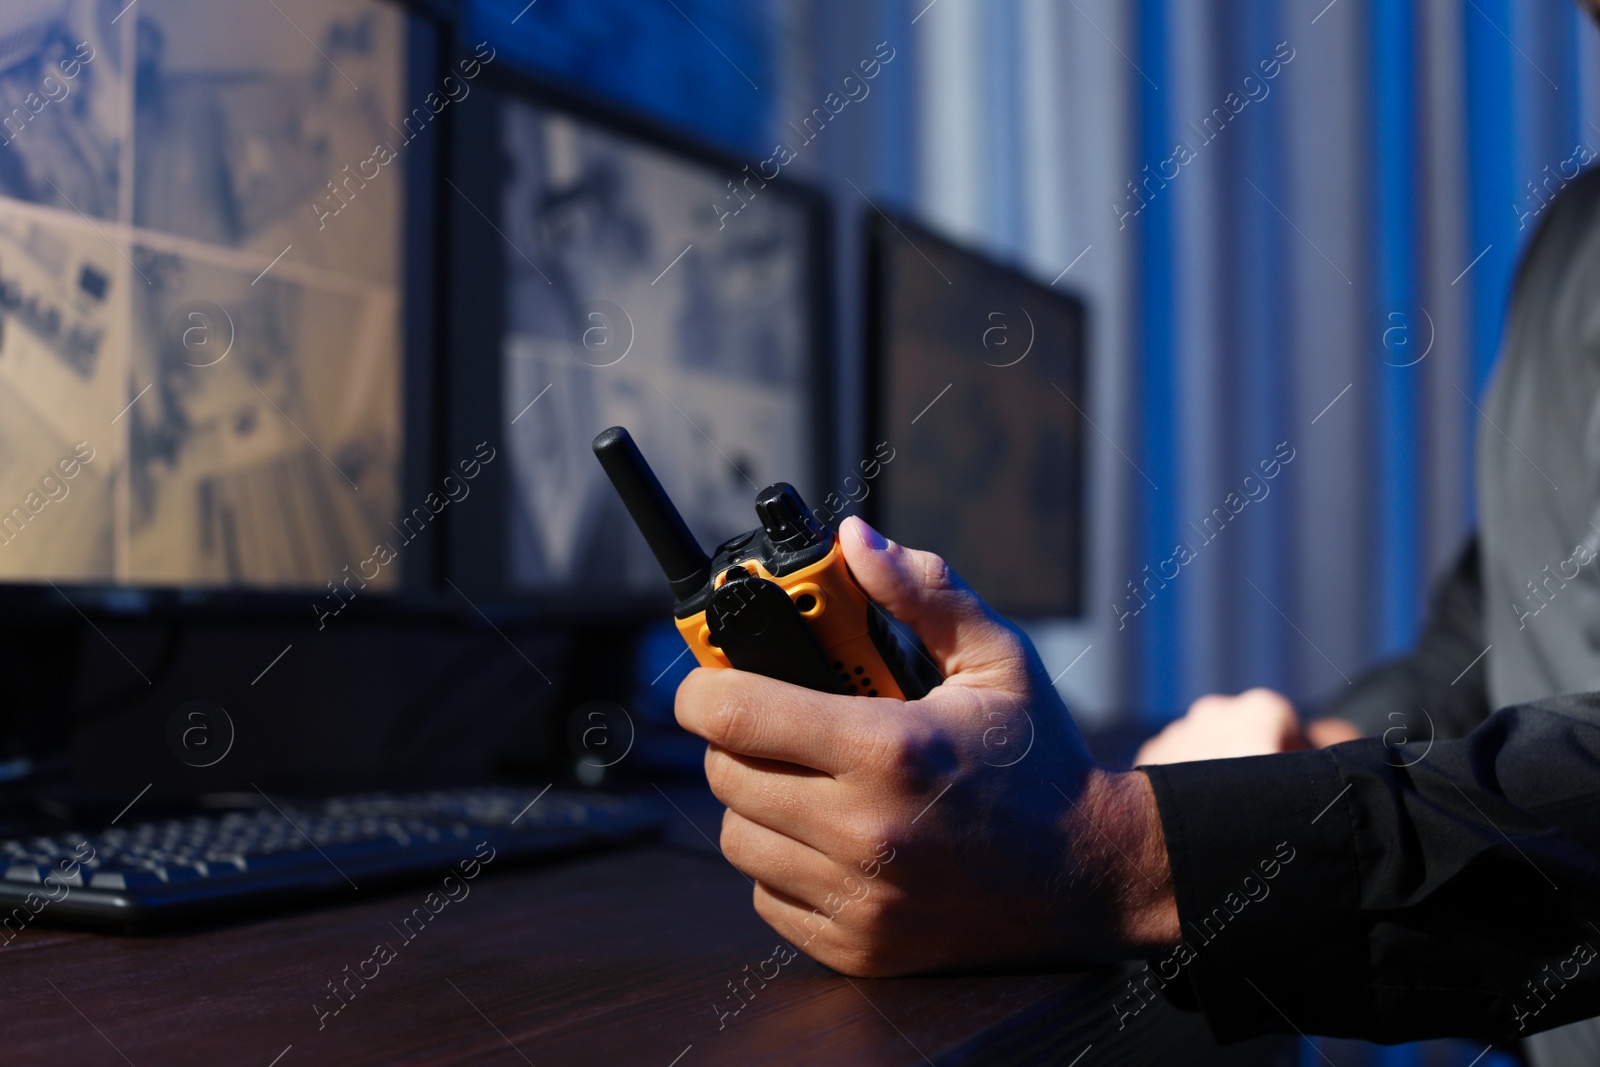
column 182, row 873
column 57, row 876
column 124, row 879
column 223, row 863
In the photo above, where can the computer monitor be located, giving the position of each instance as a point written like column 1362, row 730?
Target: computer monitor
column 208, row 289
column 637, row 279
column 976, row 395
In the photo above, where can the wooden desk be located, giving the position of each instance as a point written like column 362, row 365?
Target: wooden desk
column 613, row 958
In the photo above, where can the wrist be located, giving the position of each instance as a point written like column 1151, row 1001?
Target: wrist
column 1123, row 839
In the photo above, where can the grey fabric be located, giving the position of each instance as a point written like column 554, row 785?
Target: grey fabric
column 1539, row 467
column 1437, row 691
column 1539, row 496
column 1577, row 1045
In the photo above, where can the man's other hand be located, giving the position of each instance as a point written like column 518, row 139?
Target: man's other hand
column 968, row 828
column 1257, row 722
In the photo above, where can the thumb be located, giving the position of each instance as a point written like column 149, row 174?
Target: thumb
column 960, row 631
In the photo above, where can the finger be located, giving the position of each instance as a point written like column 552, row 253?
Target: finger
column 961, row 632
column 1324, row 732
column 784, row 797
column 780, row 861
column 758, row 716
column 1159, row 749
column 792, row 918
column 1270, row 697
column 1210, row 704
column 1292, row 736
column 1149, row 753
column 812, row 930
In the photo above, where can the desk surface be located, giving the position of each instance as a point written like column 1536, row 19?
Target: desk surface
column 615, row 958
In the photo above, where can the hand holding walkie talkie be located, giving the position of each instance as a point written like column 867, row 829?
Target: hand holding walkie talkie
column 965, row 820
column 778, row 600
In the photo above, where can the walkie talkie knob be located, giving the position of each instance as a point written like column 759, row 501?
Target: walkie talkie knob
column 789, row 524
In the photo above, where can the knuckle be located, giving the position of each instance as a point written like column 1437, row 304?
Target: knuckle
column 865, row 952
column 896, row 749
column 911, row 756
column 864, row 832
column 1254, row 714
column 732, row 722
column 933, row 572
column 1267, row 698
column 878, row 908
column 936, row 576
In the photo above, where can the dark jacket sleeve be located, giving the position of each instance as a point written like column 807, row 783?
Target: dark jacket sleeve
column 1439, row 691
column 1374, row 892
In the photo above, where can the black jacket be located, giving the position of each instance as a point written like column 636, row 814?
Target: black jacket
column 1442, row 876
column 1432, row 880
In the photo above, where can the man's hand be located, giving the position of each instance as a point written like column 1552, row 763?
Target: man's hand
column 968, row 828
column 1257, row 722
column 1254, row 723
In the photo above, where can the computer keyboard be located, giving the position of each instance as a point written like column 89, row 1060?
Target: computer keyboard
column 156, row 873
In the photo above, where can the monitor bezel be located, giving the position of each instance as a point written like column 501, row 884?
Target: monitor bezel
column 881, row 227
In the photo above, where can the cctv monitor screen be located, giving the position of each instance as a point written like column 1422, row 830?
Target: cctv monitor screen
column 976, row 394
column 200, row 291
column 646, row 283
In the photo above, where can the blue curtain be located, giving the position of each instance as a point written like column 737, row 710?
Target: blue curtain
column 1428, row 188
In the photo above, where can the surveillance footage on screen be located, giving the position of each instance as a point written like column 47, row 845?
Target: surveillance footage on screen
column 624, row 296
column 165, row 292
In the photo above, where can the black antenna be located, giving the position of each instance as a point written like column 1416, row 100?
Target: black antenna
column 682, row 560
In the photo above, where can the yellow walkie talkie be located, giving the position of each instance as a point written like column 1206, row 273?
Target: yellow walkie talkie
column 778, row 600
